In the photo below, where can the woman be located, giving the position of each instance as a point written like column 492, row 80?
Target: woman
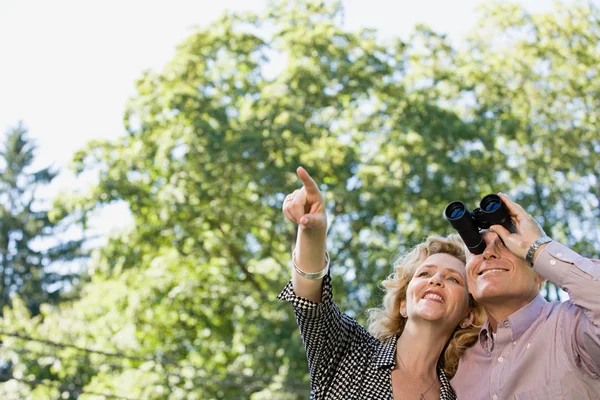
column 417, row 336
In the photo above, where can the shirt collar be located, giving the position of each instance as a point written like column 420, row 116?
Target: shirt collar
column 522, row 319
column 485, row 336
column 518, row 322
column 385, row 356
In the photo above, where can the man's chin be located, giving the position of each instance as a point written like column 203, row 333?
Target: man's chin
column 491, row 295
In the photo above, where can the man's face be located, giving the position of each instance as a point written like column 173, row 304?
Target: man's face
column 498, row 277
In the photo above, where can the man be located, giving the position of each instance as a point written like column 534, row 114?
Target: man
column 529, row 348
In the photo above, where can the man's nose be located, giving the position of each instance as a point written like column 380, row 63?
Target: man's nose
column 491, row 249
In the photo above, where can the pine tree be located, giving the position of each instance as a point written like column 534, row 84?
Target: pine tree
column 31, row 253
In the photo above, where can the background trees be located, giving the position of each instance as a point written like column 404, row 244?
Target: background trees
column 182, row 305
column 30, row 242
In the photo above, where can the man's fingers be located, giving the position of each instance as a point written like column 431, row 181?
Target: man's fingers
column 501, row 231
column 307, row 181
column 513, row 207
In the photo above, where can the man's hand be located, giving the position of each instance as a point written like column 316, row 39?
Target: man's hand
column 528, row 230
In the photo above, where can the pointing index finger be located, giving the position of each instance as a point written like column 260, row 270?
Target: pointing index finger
column 307, row 181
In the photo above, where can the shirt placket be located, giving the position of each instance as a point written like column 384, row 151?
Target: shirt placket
column 500, row 358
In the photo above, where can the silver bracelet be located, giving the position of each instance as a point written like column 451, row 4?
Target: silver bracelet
column 534, row 247
column 312, row 275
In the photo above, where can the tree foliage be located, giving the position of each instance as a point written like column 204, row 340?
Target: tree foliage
column 392, row 131
column 29, row 247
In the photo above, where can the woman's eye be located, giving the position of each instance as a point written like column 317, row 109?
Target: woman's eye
column 454, row 279
column 424, row 273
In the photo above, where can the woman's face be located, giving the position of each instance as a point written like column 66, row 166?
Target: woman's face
column 438, row 291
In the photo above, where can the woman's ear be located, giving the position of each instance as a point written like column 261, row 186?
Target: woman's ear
column 468, row 320
column 403, row 309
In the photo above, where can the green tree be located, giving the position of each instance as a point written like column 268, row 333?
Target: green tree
column 392, row 131
column 29, row 249
column 534, row 79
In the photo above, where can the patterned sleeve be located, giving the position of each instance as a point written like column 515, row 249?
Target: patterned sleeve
column 327, row 333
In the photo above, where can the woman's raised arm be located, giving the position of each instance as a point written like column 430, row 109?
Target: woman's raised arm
column 306, row 208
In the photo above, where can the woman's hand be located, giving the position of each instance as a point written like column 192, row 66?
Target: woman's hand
column 528, row 230
column 306, row 206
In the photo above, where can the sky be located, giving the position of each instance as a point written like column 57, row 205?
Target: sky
column 67, row 68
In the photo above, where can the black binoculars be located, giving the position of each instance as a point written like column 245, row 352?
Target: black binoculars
column 491, row 211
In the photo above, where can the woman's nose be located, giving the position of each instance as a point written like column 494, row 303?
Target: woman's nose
column 436, row 280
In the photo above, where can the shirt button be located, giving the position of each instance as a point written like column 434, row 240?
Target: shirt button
column 515, row 343
column 552, row 262
column 495, row 396
column 500, row 359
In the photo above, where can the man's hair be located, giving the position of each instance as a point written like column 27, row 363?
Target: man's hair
column 386, row 321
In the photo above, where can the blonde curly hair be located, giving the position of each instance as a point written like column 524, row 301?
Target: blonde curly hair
column 386, row 321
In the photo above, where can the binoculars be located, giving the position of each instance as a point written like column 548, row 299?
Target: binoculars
column 491, row 211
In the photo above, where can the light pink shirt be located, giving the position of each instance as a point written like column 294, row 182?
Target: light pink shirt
column 544, row 350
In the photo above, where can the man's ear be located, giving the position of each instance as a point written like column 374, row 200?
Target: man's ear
column 468, row 320
column 539, row 281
